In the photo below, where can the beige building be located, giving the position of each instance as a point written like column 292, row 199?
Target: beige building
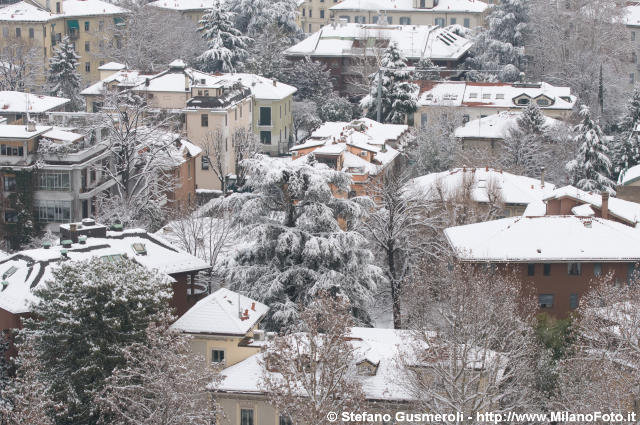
column 632, row 20
column 475, row 100
column 42, row 24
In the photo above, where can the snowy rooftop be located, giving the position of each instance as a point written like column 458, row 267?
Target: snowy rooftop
column 19, row 102
column 33, row 267
column 21, row 131
column 415, row 41
column 220, row 313
column 77, row 8
column 62, row 135
column 494, row 126
column 25, row 12
column 514, row 189
column 261, row 87
column 112, row 66
column 625, row 210
column 630, row 176
column 498, row 95
column 448, row 6
column 632, row 15
column 549, row 239
column 124, row 78
column 184, row 5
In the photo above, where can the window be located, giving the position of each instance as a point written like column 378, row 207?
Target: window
column 10, row 217
column 632, row 272
column 86, row 25
column 424, row 119
column 100, row 25
column 265, row 137
column 574, row 269
column 87, row 67
column 522, row 101
column 573, row 301
column 597, row 269
column 531, row 269
column 547, row 270
column 473, row 95
column 452, row 21
column 265, row 116
column 632, row 78
column 204, row 120
column 31, row 33
column 304, row 12
column 423, row 4
column 54, row 181
column 53, row 211
column 486, row 95
column 390, row 20
column 466, row 23
column 235, row 114
column 633, row 36
column 9, row 150
column 311, row 13
column 499, row 95
column 58, row 7
column 217, row 356
column 205, row 162
column 545, row 300
column 5, row 32
column 543, row 102
column 405, row 20
column 634, row 57
column 322, row 13
column 246, row 417
column 346, row 18
column 18, row 32
column 285, row 420
column 9, row 183
column 465, row 119
column 440, row 22
column 87, row 46
column 310, row 28
column 360, row 19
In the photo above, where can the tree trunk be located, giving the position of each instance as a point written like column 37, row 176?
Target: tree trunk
column 395, row 289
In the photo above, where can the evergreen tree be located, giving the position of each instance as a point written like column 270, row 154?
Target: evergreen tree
column 226, row 45
column 398, row 93
column 335, row 109
column 527, row 145
column 626, row 152
column 86, row 316
column 299, row 247
column 254, row 16
column 591, row 169
column 311, row 78
column 501, row 45
column 63, row 78
column 427, row 70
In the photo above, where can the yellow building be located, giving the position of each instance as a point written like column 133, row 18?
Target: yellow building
column 88, row 23
column 314, row 14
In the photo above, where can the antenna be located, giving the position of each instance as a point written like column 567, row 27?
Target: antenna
column 27, row 106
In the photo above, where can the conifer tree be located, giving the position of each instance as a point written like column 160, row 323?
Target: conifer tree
column 591, row 169
column 427, row 70
column 399, row 95
column 63, row 78
column 227, row 47
column 626, row 152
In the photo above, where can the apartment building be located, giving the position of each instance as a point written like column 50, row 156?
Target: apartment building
column 314, row 14
column 363, row 148
column 558, row 246
column 476, row 100
column 41, row 24
column 191, row 9
column 468, row 13
column 632, row 21
column 15, row 106
column 342, row 47
column 88, row 239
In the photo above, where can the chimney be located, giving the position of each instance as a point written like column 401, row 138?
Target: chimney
column 542, row 178
column 31, row 126
column 275, row 83
column 523, row 77
column 605, row 205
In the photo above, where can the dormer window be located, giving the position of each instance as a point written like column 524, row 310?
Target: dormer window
column 486, row 95
column 473, row 95
column 543, row 101
column 522, row 100
column 500, row 96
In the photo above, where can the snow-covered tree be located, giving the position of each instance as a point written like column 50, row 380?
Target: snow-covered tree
column 399, row 94
column 84, row 318
column 305, row 118
column 226, row 46
column 600, row 371
column 161, row 382
column 626, row 151
column 436, row 147
column 266, row 56
column 254, row 16
column 311, row 78
column 140, row 165
column 501, row 45
column 469, row 356
column 590, row 171
column 20, row 64
column 63, row 77
column 335, row 109
column 312, row 371
column 426, row 70
column 299, row 247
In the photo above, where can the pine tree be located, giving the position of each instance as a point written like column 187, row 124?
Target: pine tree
column 254, row 16
column 226, row 45
column 398, row 93
column 335, row 109
column 527, row 145
column 590, row 171
column 311, row 78
column 427, row 70
column 299, row 247
column 63, row 78
column 626, row 152
column 86, row 316
column 501, row 45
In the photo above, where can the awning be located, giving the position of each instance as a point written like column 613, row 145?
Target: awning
column 73, row 25
column 118, row 21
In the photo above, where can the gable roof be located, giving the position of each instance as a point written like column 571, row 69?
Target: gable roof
column 449, row 6
column 184, row 5
column 20, row 102
column 495, row 126
column 221, row 313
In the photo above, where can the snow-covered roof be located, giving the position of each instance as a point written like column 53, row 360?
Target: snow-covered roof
column 495, row 126
column 550, row 239
column 261, row 87
column 184, row 5
column 21, row 131
column 62, row 135
column 415, row 41
column 443, row 6
column 34, row 266
column 24, row 12
column 220, row 313
column 123, row 78
column 19, row 102
column 514, row 189
column 78, row 8
column 497, row 95
column 620, row 208
column 112, row 66
column 632, row 15
column 630, row 176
